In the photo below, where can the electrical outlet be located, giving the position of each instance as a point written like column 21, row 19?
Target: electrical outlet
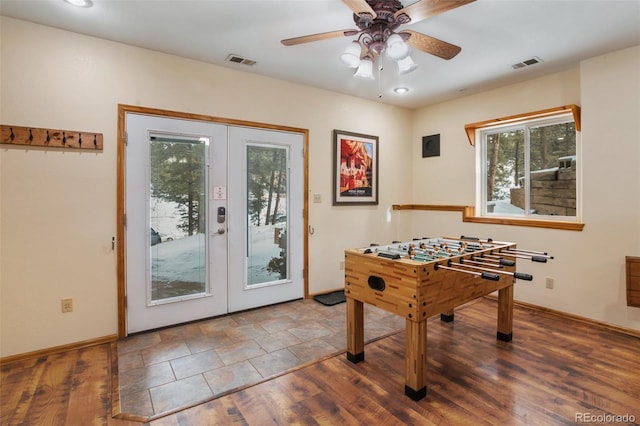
column 67, row 305
column 549, row 283
column 317, row 198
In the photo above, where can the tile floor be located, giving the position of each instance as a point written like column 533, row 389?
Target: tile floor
column 166, row 370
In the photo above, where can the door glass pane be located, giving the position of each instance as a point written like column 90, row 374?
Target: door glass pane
column 178, row 217
column 266, row 214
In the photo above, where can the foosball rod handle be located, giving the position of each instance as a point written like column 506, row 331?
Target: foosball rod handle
column 521, row 276
column 490, row 276
column 463, row 237
column 485, row 275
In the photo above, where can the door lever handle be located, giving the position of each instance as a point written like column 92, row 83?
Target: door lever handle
column 220, row 231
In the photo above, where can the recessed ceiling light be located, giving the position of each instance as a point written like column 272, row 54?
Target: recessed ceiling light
column 80, row 3
column 401, row 90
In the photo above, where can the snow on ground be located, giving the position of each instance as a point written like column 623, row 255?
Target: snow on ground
column 261, row 249
column 165, row 218
column 184, row 259
column 504, row 206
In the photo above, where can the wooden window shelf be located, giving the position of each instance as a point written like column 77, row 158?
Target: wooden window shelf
column 468, row 215
column 470, row 129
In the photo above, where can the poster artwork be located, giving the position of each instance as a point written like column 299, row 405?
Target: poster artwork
column 356, row 168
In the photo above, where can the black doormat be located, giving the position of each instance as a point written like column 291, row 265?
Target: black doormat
column 330, row 299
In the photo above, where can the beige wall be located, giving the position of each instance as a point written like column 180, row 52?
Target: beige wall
column 589, row 267
column 58, row 211
column 57, row 214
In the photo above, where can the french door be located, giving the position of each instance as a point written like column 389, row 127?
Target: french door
column 265, row 231
column 213, row 219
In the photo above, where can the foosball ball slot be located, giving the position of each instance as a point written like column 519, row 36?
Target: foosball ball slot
column 376, row 283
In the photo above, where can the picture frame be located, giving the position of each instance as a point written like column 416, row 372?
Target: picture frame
column 355, row 169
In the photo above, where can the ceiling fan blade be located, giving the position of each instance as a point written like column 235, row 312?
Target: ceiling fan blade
column 426, row 8
column 360, row 6
column 432, row 45
column 317, row 37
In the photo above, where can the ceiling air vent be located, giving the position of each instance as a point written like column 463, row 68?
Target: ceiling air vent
column 240, row 60
column 526, row 63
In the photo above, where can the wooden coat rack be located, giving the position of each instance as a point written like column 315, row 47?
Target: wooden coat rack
column 50, row 138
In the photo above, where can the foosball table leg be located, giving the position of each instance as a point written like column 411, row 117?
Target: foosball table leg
column 416, row 360
column 505, row 314
column 447, row 316
column 355, row 330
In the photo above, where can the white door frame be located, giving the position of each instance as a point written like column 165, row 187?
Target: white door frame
column 120, row 187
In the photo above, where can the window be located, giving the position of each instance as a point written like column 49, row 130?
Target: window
column 527, row 167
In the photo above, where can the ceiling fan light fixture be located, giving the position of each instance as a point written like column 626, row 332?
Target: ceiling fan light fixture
column 351, row 55
column 406, row 65
column 397, row 49
column 365, row 69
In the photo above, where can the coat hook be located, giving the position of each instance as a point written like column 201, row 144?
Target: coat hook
column 80, row 139
column 95, row 142
column 30, row 136
column 12, row 136
column 64, row 138
column 48, row 137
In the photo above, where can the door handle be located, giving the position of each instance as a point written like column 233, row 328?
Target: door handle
column 220, row 231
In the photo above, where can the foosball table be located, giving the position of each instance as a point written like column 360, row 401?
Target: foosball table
column 426, row 277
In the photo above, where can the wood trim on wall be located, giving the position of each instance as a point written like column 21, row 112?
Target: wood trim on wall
column 120, row 184
column 58, row 349
column 592, row 322
column 112, row 338
column 468, row 215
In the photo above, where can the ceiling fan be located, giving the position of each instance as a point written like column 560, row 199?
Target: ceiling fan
column 378, row 22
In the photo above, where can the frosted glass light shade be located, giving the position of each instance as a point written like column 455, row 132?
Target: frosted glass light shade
column 406, row 65
column 365, row 70
column 397, row 49
column 351, row 55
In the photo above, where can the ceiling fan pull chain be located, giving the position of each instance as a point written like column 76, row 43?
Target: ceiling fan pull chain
column 380, row 69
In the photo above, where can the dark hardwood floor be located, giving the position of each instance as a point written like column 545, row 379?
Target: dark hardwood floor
column 555, row 371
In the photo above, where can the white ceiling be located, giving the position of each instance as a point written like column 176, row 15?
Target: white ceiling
column 493, row 34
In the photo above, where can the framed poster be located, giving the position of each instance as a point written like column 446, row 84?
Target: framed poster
column 355, row 169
